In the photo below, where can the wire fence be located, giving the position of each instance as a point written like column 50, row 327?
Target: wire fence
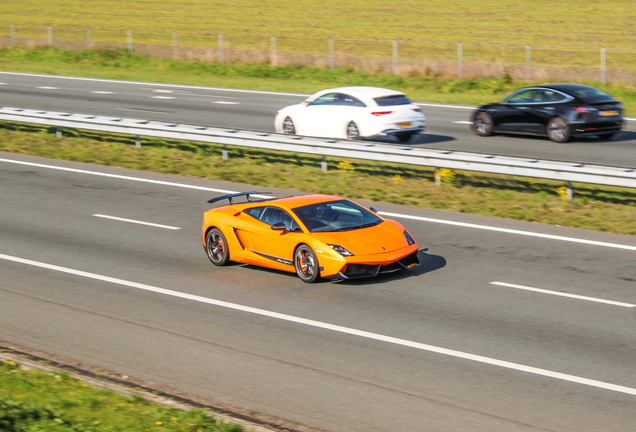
column 401, row 57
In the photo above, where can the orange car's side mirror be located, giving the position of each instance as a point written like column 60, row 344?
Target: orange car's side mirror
column 279, row 226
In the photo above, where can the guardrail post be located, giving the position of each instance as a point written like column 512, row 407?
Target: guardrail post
column 438, row 178
column 89, row 38
column 224, row 152
column 137, row 141
column 175, row 47
column 460, row 59
column 58, row 132
column 323, row 163
column 570, row 191
column 273, row 59
column 49, row 36
column 130, row 41
column 12, row 33
column 221, row 50
column 395, row 57
column 528, row 63
column 603, row 67
column 332, row 63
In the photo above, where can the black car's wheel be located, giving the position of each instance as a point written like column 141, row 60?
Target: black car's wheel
column 483, row 124
column 306, row 264
column 353, row 133
column 558, row 130
column 288, row 126
column 216, row 247
column 405, row 137
column 606, row 136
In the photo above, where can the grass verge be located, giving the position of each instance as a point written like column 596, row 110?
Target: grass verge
column 39, row 401
column 533, row 200
column 123, row 65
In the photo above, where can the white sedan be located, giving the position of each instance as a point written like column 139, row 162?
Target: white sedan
column 353, row 113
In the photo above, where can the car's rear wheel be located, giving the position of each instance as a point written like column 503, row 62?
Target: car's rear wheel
column 216, row 247
column 288, row 126
column 306, row 264
column 353, row 133
column 405, row 137
column 558, row 130
column 483, row 124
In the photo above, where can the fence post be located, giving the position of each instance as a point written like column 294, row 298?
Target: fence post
column 603, row 67
column 273, row 59
column 331, row 54
column 89, row 38
column 12, row 33
column 221, row 51
column 460, row 66
column 395, row 57
column 528, row 63
column 130, row 41
column 175, row 47
column 49, row 35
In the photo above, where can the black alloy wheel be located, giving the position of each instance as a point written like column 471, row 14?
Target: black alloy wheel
column 483, row 124
column 306, row 264
column 216, row 247
column 353, row 133
column 288, row 126
column 558, row 130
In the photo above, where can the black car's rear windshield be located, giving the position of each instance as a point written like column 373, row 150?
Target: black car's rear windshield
column 590, row 94
column 339, row 215
column 392, row 100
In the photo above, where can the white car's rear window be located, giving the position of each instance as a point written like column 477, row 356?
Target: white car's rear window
column 392, row 100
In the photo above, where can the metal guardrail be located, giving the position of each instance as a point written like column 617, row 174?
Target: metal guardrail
column 564, row 171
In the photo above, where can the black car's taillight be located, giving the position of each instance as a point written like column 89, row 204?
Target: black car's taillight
column 586, row 109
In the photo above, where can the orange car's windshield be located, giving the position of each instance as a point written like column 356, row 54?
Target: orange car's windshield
column 340, row 215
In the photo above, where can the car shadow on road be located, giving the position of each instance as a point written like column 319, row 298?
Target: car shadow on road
column 416, row 140
column 428, row 263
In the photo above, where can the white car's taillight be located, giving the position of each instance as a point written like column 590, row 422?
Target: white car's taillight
column 381, row 113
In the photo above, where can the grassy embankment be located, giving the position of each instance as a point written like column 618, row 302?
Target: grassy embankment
column 39, row 401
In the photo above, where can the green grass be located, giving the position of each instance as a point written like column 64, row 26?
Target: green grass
column 120, row 64
column 39, row 401
column 595, row 208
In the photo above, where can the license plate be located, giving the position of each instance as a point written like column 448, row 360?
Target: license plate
column 405, row 124
column 609, row 113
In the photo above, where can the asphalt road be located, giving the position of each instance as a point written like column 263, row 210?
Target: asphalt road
column 254, row 110
column 440, row 348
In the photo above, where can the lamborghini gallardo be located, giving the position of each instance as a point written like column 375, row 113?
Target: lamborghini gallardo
column 312, row 235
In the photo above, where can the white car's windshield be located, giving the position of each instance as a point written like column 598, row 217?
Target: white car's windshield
column 340, row 215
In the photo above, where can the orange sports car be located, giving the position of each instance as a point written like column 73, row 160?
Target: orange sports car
column 312, row 235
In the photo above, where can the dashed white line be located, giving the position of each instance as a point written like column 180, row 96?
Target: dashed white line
column 335, row 328
column 162, row 97
column 562, row 294
column 137, row 222
column 102, row 92
column 463, row 122
column 226, row 103
column 48, row 88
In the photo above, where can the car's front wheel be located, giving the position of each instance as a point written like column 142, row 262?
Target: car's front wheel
column 288, row 126
column 216, row 247
column 483, row 124
column 306, row 264
column 353, row 133
column 558, row 130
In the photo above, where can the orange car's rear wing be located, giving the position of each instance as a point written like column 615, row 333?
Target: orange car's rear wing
column 232, row 196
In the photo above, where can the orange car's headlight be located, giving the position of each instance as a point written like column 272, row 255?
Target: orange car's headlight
column 342, row 251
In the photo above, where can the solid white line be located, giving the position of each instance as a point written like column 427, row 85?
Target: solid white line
column 463, row 122
column 557, row 293
column 153, row 84
column 122, row 177
column 137, row 222
column 511, row 231
column 333, row 327
column 226, row 103
column 48, row 88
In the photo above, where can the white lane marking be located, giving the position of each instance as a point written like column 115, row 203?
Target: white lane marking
column 463, row 122
column 561, row 294
column 226, row 103
column 137, row 222
column 122, row 177
column 333, row 327
column 162, row 97
column 445, row 106
column 102, row 92
column 511, row 231
column 3, row 83
column 153, row 84
column 630, row 119
column 420, row 218
column 162, row 91
column 142, row 110
column 48, row 88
